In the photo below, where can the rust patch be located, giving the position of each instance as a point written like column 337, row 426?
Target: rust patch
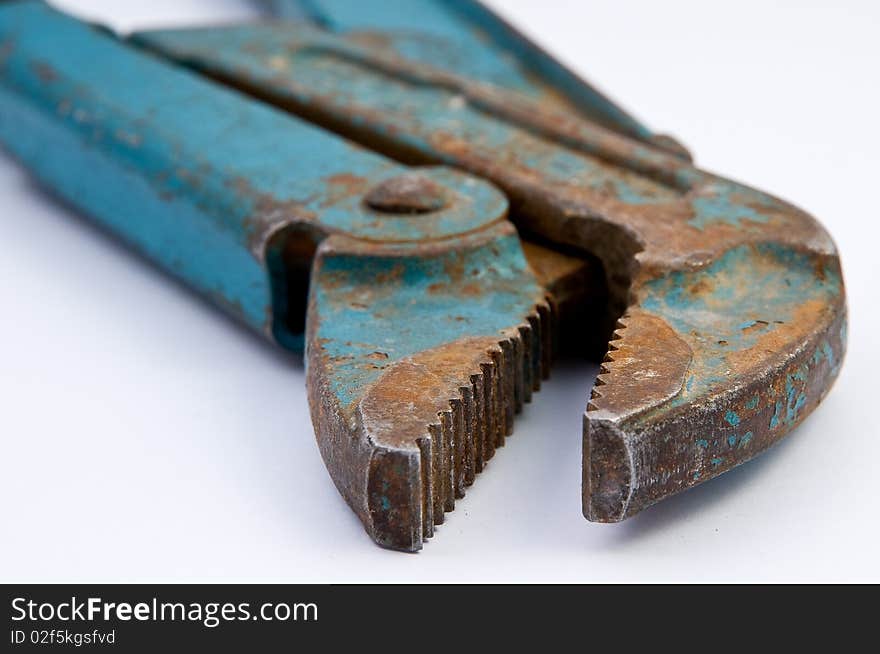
column 7, row 46
column 346, row 184
column 44, row 71
column 471, row 289
column 271, row 215
column 648, row 367
column 406, row 194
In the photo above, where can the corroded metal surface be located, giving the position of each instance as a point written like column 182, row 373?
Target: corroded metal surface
column 724, row 290
column 428, row 328
column 469, row 40
column 427, row 321
column 712, row 367
column 417, row 361
column 406, row 194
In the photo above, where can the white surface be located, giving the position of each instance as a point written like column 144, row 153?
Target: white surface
column 146, row 438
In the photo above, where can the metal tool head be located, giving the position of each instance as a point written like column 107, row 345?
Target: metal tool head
column 730, row 301
column 417, row 360
column 430, row 319
column 735, row 330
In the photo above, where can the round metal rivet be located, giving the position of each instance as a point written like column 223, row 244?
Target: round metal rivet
column 406, row 194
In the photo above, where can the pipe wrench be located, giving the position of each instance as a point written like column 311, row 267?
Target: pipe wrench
column 428, row 206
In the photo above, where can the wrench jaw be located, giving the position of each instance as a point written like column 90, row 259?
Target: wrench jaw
column 426, row 328
column 709, row 368
column 418, row 357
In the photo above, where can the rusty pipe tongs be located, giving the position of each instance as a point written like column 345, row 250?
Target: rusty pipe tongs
column 427, row 318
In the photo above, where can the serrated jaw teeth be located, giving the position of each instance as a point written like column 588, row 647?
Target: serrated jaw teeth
column 434, row 421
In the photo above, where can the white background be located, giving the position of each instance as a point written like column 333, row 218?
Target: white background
column 147, row 438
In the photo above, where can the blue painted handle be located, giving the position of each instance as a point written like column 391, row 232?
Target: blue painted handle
column 468, row 39
column 200, row 179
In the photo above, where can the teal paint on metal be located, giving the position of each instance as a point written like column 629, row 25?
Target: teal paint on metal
column 722, row 208
column 304, row 66
column 765, row 283
column 465, row 38
column 374, row 310
column 774, row 421
column 196, row 177
column 350, row 86
column 735, row 298
column 215, row 187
